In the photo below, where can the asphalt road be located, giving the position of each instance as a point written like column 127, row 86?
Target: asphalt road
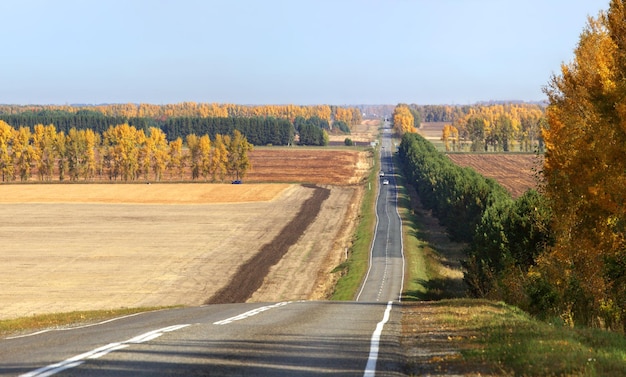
column 309, row 338
column 386, row 272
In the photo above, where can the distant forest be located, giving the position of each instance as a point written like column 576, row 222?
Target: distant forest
column 261, row 125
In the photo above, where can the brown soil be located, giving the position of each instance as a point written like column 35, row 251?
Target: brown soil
column 516, row 172
column 308, row 165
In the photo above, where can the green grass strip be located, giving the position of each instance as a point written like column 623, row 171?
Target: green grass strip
column 355, row 267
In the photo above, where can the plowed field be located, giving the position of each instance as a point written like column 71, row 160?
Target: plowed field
column 516, row 172
column 308, row 165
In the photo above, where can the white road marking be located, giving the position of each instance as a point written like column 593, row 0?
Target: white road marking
column 76, row 327
column 250, row 313
column 99, row 352
column 370, row 368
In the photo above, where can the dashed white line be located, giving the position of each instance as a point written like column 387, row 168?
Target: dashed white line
column 99, row 352
column 250, row 313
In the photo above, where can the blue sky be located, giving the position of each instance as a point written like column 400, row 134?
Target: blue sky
column 305, row 52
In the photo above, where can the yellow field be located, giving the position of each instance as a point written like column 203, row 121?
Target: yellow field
column 174, row 193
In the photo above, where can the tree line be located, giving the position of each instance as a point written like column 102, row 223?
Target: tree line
column 121, row 152
column 497, row 127
column 505, row 237
column 258, row 130
column 349, row 115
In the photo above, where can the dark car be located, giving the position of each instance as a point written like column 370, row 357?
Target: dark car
column 237, row 182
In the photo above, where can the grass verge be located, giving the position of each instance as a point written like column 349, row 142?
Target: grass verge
column 487, row 338
column 46, row 321
column 355, row 267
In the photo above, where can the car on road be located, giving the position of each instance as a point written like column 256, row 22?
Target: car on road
column 381, row 174
column 237, row 182
column 385, row 181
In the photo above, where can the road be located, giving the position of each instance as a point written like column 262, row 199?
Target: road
column 386, row 273
column 304, row 338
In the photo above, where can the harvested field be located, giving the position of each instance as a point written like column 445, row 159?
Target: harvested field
column 308, row 165
column 100, row 246
column 362, row 134
column 516, row 172
column 120, row 193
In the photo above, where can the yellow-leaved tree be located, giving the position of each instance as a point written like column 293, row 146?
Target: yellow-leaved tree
column 585, row 177
column 403, row 120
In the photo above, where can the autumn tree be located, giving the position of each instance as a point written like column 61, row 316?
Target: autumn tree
column 219, row 158
column 238, row 161
column 123, row 143
column 157, row 152
column 585, row 174
column 44, row 138
column 403, row 120
column 61, row 153
column 23, row 152
column 6, row 160
column 76, row 153
column 450, row 134
column 205, row 155
column 176, row 157
column 194, row 157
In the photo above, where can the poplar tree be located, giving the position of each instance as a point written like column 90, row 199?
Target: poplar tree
column 176, row 157
column 238, row 161
column 6, row 160
column 193, row 144
column 23, row 152
column 219, row 159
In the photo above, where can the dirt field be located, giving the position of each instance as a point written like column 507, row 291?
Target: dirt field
column 513, row 171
